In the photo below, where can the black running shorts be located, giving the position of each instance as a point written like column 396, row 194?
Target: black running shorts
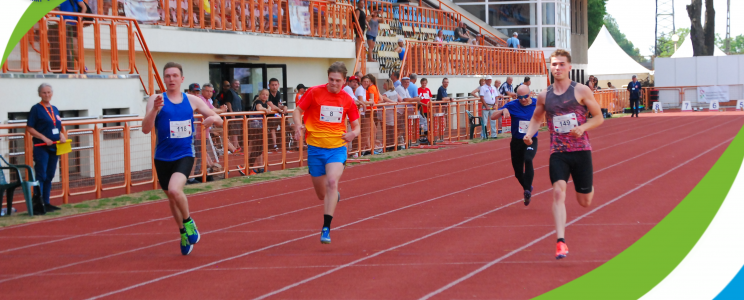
column 166, row 169
column 577, row 165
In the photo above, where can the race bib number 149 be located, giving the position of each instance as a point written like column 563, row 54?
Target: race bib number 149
column 331, row 114
column 564, row 123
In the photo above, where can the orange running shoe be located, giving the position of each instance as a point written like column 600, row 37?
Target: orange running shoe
column 561, row 250
column 251, row 172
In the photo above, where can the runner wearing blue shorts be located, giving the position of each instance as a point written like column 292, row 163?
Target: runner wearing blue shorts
column 325, row 108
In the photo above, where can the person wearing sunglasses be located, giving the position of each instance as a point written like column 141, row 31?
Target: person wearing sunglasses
column 521, row 111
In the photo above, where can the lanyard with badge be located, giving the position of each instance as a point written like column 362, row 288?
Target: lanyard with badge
column 50, row 112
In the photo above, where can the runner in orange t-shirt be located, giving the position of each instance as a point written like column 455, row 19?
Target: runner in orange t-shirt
column 326, row 107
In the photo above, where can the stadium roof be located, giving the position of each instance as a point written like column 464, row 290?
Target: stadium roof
column 685, row 50
column 607, row 58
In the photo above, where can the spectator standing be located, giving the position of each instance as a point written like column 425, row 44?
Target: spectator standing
column 425, row 95
column 276, row 99
column 591, row 79
column 596, row 83
column 413, row 88
column 348, row 89
column 390, row 96
column 255, row 138
column 395, row 77
column 476, row 91
column 206, row 94
column 235, row 105
column 45, row 126
column 488, row 102
column 634, row 88
column 71, row 34
column 442, row 91
column 360, row 99
column 374, row 25
column 401, row 49
column 507, row 89
column 404, row 96
column 300, row 91
column 225, row 95
column 373, row 97
column 610, row 86
column 513, row 42
column 194, row 89
column 526, row 82
column 362, row 21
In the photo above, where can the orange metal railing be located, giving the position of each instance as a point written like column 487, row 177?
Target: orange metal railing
column 112, row 157
column 105, row 45
column 429, row 58
column 615, row 101
column 485, row 38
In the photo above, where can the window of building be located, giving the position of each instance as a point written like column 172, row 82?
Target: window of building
column 114, row 133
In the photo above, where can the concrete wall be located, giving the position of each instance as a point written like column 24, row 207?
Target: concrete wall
column 699, row 71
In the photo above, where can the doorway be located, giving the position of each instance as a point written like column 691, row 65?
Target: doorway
column 253, row 78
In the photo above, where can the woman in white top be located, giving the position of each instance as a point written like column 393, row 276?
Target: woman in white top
column 476, row 91
column 440, row 37
column 390, row 96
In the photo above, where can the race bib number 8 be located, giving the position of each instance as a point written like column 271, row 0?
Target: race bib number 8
column 523, row 126
column 564, row 123
column 180, row 129
column 331, row 114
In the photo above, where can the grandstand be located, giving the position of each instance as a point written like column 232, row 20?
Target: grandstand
column 104, row 66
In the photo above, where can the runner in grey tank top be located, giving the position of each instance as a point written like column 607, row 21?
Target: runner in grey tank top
column 565, row 105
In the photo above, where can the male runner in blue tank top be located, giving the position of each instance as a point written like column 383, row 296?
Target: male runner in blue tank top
column 171, row 115
column 566, row 104
column 521, row 111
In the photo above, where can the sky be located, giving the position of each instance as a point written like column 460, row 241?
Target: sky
column 636, row 19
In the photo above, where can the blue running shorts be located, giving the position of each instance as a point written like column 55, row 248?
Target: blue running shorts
column 318, row 158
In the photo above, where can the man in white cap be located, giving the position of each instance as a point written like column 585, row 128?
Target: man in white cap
column 488, row 103
column 513, row 42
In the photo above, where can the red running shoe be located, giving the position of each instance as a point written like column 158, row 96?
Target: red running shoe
column 561, row 250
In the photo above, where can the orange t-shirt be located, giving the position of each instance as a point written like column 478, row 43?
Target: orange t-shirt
column 374, row 94
column 324, row 116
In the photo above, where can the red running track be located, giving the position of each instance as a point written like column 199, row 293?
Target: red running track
column 446, row 224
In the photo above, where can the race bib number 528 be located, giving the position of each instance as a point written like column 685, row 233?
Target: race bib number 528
column 331, row 114
column 564, row 123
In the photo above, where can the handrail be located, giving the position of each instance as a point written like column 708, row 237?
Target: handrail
column 98, row 148
column 54, row 53
column 434, row 58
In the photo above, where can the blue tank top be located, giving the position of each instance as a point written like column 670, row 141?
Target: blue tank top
column 174, row 128
column 402, row 53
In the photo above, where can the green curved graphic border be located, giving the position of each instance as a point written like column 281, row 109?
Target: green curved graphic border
column 32, row 15
column 634, row 272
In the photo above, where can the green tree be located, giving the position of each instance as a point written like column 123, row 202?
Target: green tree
column 666, row 45
column 737, row 44
column 622, row 40
column 596, row 12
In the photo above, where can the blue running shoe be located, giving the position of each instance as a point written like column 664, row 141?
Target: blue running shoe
column 186, row 247
column 191, row 232
column 325, row 236
column 527, row 196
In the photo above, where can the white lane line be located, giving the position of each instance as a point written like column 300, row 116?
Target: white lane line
column 224, row 206
column 481, row 269
column 162, row 243
column 275, row 245
column 289, row 178
column 461, row 223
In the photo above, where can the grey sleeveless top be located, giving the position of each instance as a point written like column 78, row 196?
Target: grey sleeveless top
column 374, row 27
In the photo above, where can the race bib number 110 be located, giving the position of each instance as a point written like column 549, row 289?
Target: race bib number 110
column 331, row 114
column 564, row 123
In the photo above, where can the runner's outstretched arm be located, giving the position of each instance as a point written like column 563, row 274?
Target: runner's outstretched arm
column 154, row 104
column 585, row 96
column 537, row 118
